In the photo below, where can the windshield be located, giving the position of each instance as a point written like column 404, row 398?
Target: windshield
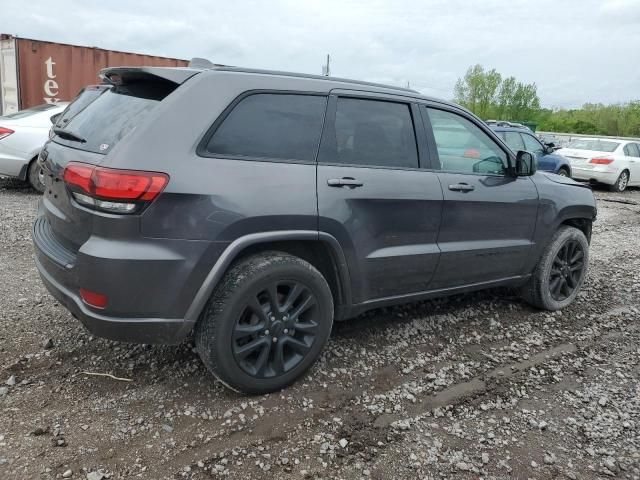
column 593, row 144
column 113, row 114
column 31, row 111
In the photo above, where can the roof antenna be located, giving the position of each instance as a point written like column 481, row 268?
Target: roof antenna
column 197, row 62
column 325, row 68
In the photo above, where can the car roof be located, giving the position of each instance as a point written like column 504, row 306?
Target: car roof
column 181, row 74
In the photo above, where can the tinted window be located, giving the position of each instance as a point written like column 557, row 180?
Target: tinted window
column 372, row 132
column 463, row 147
column 532, row 145
column 84, row 98
column 514, row 140
column 116, row 112
column 266, row 125
column 632, row 150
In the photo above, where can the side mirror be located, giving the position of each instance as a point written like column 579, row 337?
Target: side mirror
column 525, row 163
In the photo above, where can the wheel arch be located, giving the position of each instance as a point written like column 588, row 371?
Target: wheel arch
column 582, row 224
column 319, row 249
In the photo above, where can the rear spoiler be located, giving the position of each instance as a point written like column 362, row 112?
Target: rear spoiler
column 124, row 75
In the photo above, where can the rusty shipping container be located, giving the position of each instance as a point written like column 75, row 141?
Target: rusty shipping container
column 33, row 72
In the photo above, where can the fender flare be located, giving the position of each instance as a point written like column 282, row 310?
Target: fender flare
column 238, row 245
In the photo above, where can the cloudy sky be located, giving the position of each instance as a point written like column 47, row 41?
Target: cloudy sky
column 576, row 51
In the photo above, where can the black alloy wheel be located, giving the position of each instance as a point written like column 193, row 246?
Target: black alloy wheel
column 276, row 329
column 566, row 270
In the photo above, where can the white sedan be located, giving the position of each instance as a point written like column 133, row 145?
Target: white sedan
column 613, row 162
column 22, row 135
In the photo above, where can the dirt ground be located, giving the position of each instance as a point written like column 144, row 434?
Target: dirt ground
column 473, row 386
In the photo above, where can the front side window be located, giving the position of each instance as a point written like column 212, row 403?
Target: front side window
column 532, row 145
column 463, row 147
column 271, row 125
column 514, row 140
column 373, row 132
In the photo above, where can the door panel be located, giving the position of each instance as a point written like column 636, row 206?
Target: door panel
column 489, row 216
column 387, row 227
column 486, row 233
column 373, row 197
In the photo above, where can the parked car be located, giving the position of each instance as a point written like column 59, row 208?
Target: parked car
column 22, row 135
column 522, row 138
column 615, row 163
column 257, row 207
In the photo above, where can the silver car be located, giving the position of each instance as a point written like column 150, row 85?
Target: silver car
column 22, row 135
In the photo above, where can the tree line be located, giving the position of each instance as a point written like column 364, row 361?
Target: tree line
column 490, row 96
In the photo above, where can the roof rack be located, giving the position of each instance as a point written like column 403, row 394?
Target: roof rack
column 207, row 65
column 504, row 123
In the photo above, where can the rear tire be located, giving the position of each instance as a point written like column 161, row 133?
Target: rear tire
column 35, row 176
column 622, row 182
column 560, row 272
column 266, row 323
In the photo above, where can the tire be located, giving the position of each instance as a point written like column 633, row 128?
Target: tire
column 35, row 176
column 550, row 270
column 241, row 316
column 622, row 182
column 563, row 172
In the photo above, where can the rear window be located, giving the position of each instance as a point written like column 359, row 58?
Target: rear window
column 271, row 125
column 31, row 111
column 84, row 98
column 116, row 112
column 593, row 144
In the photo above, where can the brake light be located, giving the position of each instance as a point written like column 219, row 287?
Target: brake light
column 472, row 153
column 113, row 190
column 93, row 299
column 5, row 132
column 601, row 161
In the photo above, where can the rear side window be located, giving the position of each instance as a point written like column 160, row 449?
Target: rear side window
column 115, row 113
column 514, row 140
column 271, row 125
column 373, row 132
column 632, row 150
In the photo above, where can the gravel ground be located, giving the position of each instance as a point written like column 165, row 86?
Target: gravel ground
column 470, row 386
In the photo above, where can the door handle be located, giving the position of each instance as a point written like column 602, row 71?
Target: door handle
column 344, row 182
column 462, row 187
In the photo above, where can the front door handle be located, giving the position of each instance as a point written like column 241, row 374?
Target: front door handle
column 344, row 182
column 462, row 187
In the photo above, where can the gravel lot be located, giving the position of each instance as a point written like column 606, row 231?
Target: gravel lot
column 471, row 386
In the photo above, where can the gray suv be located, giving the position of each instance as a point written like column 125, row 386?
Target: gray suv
column 254, row 208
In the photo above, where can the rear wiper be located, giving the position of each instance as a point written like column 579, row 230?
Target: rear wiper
column 68, row 135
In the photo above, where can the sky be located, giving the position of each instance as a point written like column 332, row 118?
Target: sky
column 576, row 51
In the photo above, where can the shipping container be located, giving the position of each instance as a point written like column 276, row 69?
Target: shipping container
column 33, row 72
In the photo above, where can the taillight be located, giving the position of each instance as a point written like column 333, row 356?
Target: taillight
column 601, row 161
column 5, row 132
column 112, row 190
column 471, row 153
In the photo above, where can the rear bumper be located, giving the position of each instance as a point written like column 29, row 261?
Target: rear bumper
column 598, row 174
column 12, row 164
column 150, row 285
column 135, row 330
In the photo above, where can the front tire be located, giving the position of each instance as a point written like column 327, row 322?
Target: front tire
column 563, row 172
column 621, row 183
column 266, row 323
column 560, row 272
column 35, row 176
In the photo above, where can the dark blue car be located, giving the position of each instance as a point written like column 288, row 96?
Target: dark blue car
column 519, row 137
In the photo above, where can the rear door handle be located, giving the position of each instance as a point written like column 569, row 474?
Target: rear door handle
column 462, row 187
column 344, row 182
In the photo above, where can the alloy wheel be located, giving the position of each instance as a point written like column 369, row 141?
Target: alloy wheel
column 566, row 270
column 276, row 329
column 622, row 181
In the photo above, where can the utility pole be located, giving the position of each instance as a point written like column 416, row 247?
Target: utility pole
column 325, row 68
